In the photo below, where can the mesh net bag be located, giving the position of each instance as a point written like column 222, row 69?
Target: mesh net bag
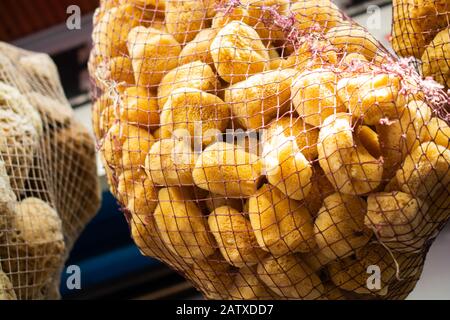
column 421, row 29
column 269, row 149
column 48, row 180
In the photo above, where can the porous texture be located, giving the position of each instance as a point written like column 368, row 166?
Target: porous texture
column 436, row 58
column 339, row 227
column 6, row 288
column 415, row 24
column 273, row 149
column 237, row 52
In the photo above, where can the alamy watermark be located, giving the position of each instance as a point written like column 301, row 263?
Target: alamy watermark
column 73, row 21
column 373, row 282
column 73, row 281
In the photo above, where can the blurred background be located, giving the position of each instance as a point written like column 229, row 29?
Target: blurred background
column 111, row 265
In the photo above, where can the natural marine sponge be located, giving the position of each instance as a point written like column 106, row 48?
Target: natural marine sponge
column 320, row 189
column 74, row 156
column 148, row 240
column 288, row 127
column 198, row 48
column 351, row 38
column 194, row 114
column 103, row 115
column 139, row 106
column 237, row 52
column 184, row 18
column 311, row 14
column 196, row 74
column 350, row 274
column 289, row 277
column 349, row 167
column 226, row 169
column 436, row 58
column 254, row 14
column 152, row 53
column 170, row 162
column 425, row 170
column 126, row 146
column 7, row 196
column 281, row 225
column 237, row 13
column 182, row 226
column 120, row 70
column 314, row 96
column 372, row 97
column 18, row 142
column 439, row 132
column 287, row 168
column 36, row 253
column 6, row 288
column 257, row 14
column 11, row 98
column 146, row 237
column 234, row 236
column 395, row 217
column 20, row 130
column 159, row 5
column 110, row 33
column 248, row 286
column 117, row 71
column 415, row 24
column 399, row 137
column 41, row 67
column 370, row 140
column 339, row 227
column 213, row 275
column 137, row 192
column 260, row 98
column 312, row 54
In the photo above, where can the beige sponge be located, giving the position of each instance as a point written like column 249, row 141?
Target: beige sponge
column 247, row 286
column 290, row 126
column 339, row 227
column 287, row 168
column 281, row 225
column 226, row 169
column 395, row 217
column 196, row 74
column 153, row 53
column 289, row 277
column 261, row 97
column 345, row 160
column 35, row 246
column 234, row 236
column 185, row 18
column 350, row 274
column 237, row 52
column 170, row 163
column 425, row 170
column 194, row 113
column 314, row 96
column 182, row 226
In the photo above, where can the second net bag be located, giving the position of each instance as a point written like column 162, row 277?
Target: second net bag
column 421, row 29
column 49, row 189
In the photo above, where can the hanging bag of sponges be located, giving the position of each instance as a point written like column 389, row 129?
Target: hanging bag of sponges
column 49, row 189
column 269, row 149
